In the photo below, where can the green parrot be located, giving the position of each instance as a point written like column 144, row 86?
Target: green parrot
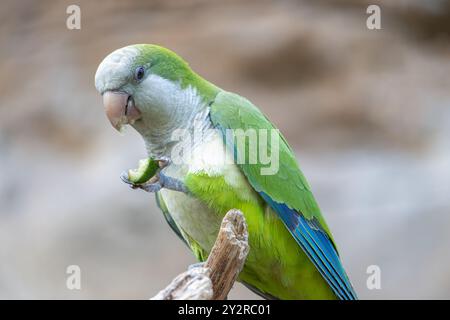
column 292, row 252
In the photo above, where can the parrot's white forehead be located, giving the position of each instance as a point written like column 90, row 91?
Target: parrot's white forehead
column 115, row 70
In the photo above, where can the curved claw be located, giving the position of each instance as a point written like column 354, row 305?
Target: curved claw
column 164, row 162
column 197, row 265
column 124, row 178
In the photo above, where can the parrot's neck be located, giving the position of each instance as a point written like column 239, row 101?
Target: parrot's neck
column 188, row 135
column 174, row 114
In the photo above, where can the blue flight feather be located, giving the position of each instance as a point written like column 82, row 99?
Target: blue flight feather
column 318, row 247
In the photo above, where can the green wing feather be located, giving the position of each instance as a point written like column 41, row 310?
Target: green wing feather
column 289, row 185
column 162, row 206
column 198, row 251
column 286, row 191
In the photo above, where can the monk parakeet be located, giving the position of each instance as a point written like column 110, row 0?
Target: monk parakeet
column 292, row 252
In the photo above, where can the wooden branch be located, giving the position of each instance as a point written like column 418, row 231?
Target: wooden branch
column 193, row 284
column 228, row 255
column 215, row 279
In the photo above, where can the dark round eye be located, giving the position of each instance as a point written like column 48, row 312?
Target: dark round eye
column 139, row 73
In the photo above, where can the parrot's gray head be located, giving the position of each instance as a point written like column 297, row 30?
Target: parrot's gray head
column 114, row 81
column 151, row 88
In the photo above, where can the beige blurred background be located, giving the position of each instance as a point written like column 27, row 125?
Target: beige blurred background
column 367, row 111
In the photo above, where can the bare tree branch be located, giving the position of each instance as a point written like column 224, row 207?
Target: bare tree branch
column 225, row 262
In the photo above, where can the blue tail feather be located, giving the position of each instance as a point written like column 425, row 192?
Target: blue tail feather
column 317, row 246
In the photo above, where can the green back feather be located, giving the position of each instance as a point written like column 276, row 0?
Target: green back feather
column 288, row 185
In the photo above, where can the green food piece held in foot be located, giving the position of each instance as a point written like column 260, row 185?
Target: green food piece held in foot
column 146, row 170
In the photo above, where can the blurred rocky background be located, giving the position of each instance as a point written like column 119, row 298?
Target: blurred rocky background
column 367, row 111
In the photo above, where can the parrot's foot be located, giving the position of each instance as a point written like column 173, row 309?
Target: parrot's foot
column 196, row 265
column 159, row 181
column 163, row 162
column 152, row 186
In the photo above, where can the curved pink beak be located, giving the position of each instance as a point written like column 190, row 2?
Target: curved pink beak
column 120, row 108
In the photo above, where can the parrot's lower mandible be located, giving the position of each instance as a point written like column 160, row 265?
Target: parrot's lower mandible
column 216, row 151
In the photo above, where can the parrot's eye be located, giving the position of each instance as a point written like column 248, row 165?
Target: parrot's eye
column 139, row 73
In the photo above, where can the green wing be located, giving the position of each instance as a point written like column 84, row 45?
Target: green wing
column 198, row 251
column 286, row 191
column 162, row 206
